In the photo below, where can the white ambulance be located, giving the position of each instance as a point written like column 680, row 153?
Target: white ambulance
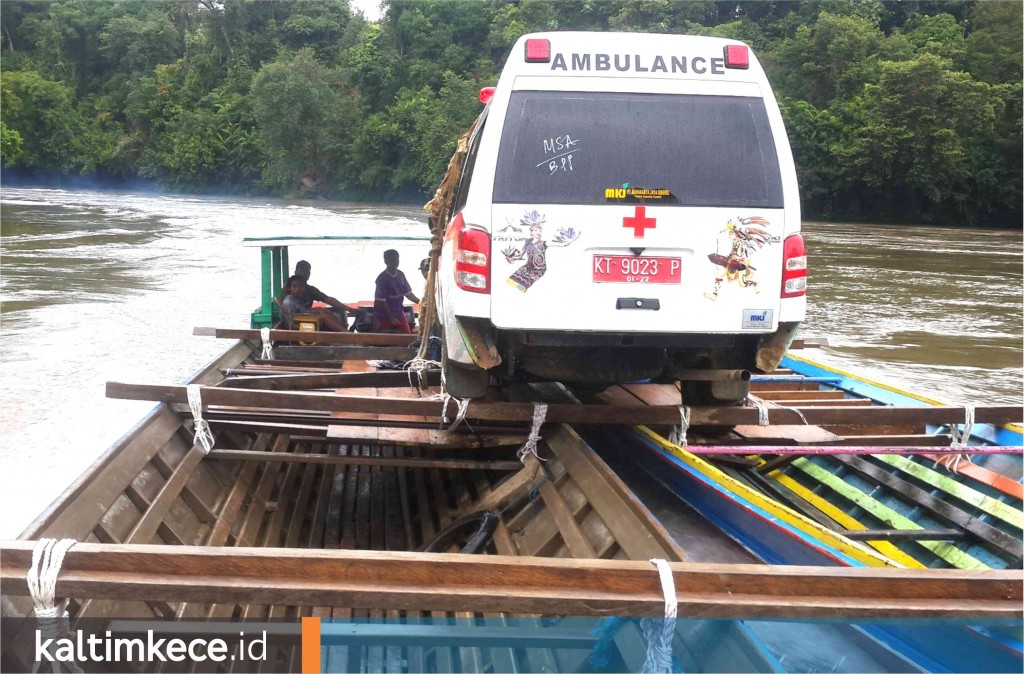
column 627, row 210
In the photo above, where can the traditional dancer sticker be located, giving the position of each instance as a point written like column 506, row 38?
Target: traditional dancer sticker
column 743, row 241
column 533, row 250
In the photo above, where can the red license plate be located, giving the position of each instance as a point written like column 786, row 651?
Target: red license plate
column 636, row 269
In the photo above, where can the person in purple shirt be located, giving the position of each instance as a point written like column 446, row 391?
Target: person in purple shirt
column 392, row 287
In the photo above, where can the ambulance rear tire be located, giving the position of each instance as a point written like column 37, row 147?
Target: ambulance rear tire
column 462, row 381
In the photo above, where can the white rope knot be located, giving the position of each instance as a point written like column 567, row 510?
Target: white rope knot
column 268, row 350
column 51, row 617
column 678, row 434
column 420, row 366
column 462, row 406
column 659, row 631
column 762, row 411
column 540, row 411
column 202, row 428
column 958, row 439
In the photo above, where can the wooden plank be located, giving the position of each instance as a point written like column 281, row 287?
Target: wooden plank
column 786, row 396
column 986, row 476
column 845, row 520
column 416, row 437
column 938, row 507
column 905, row 534
column 568, row 527
column 1012, row 515
column 350, row 338
column 336, row 353
column 310, row 365
column 201, row 479
column 511, row 487
column 896, row 440
column 786, row 435
column 408, row 580
column 575, row 444
column 946, row 551
column 305, row 382
column 146, row 527
column 630, row 529
column 566, row 413
column 258, row 506
column 459, row 464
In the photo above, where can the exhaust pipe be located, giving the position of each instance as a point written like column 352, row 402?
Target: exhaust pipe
column 712, row 375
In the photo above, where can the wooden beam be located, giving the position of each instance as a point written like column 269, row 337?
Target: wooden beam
column 904, row 534
column 322, row 353
column 151, row 519
column 300, row 382
column 347, row 338
column 565, row 413
column 454, row 582
column 938, row 507
column 809, row 343
column 285, row 457
column 311, row 365
column 510, row 490
column 422, row 437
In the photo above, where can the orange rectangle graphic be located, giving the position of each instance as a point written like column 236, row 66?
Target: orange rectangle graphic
column 311, row 645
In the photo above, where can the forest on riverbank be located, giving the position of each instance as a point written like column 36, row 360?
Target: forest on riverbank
column 897, row 111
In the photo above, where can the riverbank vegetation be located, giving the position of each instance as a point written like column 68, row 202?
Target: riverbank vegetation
column 907, row 111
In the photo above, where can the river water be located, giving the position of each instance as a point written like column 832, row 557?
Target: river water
column 107, row 286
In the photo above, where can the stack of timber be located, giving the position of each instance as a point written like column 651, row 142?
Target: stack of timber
column 328, row 481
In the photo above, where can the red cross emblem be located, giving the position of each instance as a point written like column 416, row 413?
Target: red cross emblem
column 639, row 222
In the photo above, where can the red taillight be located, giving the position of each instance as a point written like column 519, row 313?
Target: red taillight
column 472, row 250
column 486, row 94
column 737, row 56
column 538, row 51
column 794, row 267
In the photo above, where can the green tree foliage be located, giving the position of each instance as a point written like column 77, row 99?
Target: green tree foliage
column 925, row 134
column 305, row 116
column 906, row 110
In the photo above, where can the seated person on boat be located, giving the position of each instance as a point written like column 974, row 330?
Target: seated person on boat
column 294, row 304
column 313, row 294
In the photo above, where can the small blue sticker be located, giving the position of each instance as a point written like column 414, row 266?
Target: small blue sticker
column 757, row 318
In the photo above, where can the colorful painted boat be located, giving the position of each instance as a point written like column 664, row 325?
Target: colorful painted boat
column 790, row 520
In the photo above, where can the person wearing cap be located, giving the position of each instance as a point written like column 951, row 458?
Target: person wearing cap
column 313, row 294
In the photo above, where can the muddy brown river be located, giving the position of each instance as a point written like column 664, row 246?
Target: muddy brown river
column 102, row 286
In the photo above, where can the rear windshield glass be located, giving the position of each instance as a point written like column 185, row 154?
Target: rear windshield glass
column 599, row 148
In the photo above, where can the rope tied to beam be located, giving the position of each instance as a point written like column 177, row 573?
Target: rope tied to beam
column 762, row 411
column 540, row 411
column 659, row 631
column 678, row 434
column 420, row 366
column 958, row 440
column 462, row 406
column 203, row 433
column 268, row 349
column 54, row 623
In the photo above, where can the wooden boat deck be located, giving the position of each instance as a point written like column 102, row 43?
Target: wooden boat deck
column 366, row 478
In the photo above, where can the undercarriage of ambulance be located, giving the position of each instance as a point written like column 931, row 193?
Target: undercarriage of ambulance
column 712, row 369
